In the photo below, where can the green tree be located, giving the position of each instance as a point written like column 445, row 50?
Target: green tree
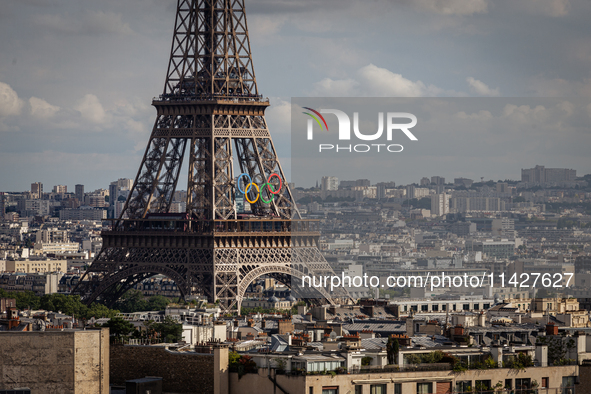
column 170, row 330
column 99, row 311
column 132, row 301
column 233, row 358
column 392, row 348
column 119, row 327
column 66, row 304
column 158, row 303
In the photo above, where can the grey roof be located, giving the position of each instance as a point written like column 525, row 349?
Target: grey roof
column 382, row 328
column 278, row 343
column 374, row 343
column 429, row 341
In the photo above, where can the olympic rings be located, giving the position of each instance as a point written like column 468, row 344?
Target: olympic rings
column 269, row 185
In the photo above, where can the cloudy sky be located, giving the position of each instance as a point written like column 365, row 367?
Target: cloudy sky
column 77, row 76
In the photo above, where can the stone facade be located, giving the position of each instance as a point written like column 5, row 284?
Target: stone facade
column 181, row 372
column 56, row 362
column 442, row 382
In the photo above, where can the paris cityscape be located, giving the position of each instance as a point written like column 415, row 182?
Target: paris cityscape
column 193, row 252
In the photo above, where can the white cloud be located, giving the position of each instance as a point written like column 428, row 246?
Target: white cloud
column 386, row 83
column 265, row 26
column 453, row 7
column 91, row 109
column 10, row 104
column 373, row 81
column 525, row 114
column 330, row 87
column 481, row 88
column 41, row 108
column 278, row 117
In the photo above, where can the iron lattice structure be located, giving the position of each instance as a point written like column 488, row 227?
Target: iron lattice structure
column 210, row 108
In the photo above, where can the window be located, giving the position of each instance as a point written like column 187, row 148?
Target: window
column 311, row 390
column 522, row 384
column 435, row 308
column 397, row 388
column 330, row 390
column 568, row 385
column 476, row 307
column 464, row 386
column 544, row 383
column 424, row 388
column 485, row 306
column 414, row 308
column 377, row 389
column 444, row 307
column 424, row 308
column 508, row 384
column 358, row 389
column 483, row 386
column 466, row 307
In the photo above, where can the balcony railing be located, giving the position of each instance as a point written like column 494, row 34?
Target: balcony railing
column 263, row 225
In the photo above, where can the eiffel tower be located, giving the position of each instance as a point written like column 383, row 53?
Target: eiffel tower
column 210, row 110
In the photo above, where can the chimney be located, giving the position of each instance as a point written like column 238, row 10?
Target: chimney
column 410, row 327
column 482, row 320
column 497, row 354
column 542, row 354
column 302, row 309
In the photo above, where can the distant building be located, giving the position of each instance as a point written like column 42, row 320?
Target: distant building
column 463, row 182
column 40, row 284
column 60, row 189
column 382, row 187
column 463, row 229
column 36, row 266
column 125, row 183
column 51, row 235
column 329, row 183
column 56, row 247
column 438, row 180
column 83, row 214
column 37, row 190
column 439, row 204
column 2, row 206
column 79, row 191
column 503, row 227
column 500, row 249
column 425, row 181
column 503, row 187
column 34, row 207
column 471, row 204
column 357, row 183
column 97, row 201
column 541, row 174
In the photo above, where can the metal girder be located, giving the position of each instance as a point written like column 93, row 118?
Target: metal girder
column 210, row 106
